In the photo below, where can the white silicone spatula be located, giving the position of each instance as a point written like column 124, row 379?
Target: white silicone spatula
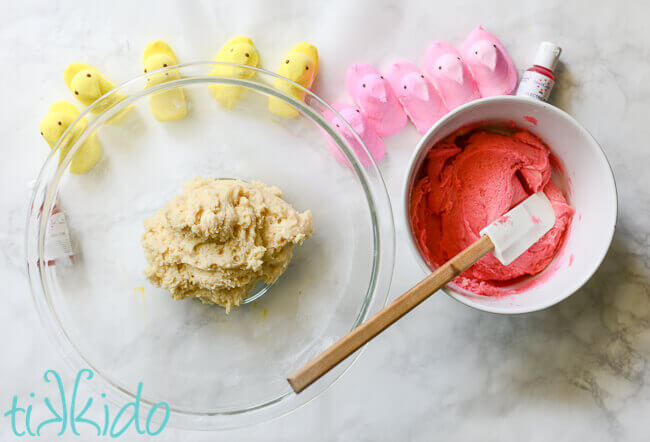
column 507, row 237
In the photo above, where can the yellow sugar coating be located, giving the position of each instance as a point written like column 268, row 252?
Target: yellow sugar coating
column 88, row 85
column 166, row 105
column 60, row 116
column 300, row 66
column 238, row 50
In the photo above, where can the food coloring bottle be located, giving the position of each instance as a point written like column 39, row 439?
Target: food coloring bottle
column 58, row 246
column 538, row 81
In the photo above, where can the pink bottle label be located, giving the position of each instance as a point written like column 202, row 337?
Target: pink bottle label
column 536, row 85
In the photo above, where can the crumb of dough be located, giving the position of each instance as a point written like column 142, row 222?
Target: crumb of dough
column 218, row 238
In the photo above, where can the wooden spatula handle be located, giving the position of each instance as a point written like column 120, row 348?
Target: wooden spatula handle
column 351, row 342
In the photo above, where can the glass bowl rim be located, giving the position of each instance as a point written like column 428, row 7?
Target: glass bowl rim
column 44, row 195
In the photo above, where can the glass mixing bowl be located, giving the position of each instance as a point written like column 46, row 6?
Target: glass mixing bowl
column 214, row 370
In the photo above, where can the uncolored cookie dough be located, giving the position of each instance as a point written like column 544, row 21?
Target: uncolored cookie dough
column 218, row 238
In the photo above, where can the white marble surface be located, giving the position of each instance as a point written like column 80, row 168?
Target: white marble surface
column 575, row 371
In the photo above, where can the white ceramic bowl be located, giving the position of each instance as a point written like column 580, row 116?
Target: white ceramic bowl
column 588, row 183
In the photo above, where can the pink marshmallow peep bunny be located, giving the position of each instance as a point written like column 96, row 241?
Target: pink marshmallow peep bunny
column 361, row 126
column 449, row 74
column 420, row 100
column 489, row 62
column 376, row 99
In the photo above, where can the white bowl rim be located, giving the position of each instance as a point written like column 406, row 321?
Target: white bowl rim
column 424, row 144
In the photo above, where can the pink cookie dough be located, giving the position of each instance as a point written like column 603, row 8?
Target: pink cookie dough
column 489, row 62
column 376, row 99
column 470, row 179
column 449, row 74
column 420, row 100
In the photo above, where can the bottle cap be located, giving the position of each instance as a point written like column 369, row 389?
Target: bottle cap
column 547, row 55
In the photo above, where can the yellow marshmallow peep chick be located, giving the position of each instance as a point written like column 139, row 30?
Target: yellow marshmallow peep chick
column 300, row 66
column 60, row 116
column 238, row 50
column 88, row 85
column 168, row 105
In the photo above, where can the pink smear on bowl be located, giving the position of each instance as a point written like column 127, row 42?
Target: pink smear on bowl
column 531, row 120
